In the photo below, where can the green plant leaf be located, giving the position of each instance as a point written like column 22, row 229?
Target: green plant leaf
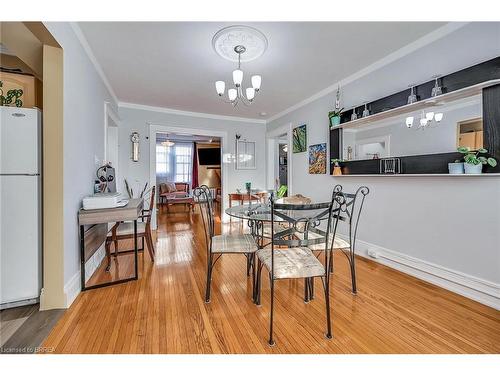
column 492, row 162
column 482, row 150
column 463, row 149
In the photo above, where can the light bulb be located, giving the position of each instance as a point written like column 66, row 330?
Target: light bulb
column 438, row 117
column 256, row 81
column 250, row 93
column 409, row 121
column 232, row 94
column 423, row 121
column 237, row 77
column 220, row 86
column 429, row 116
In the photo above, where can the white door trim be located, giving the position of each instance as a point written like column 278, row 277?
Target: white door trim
column 225, row 148
column 272, row 142
column 109, row 112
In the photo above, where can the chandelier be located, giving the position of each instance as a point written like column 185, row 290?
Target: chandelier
column 239, row 44
column 168, row 142
column 426, row 120
column 235, row 95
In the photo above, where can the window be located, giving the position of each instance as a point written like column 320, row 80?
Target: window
column 174, row 163
column 183, row 163
column 162, row 164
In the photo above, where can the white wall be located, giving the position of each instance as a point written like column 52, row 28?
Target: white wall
column 137, row 173
column 84, row 97
column 450, row 226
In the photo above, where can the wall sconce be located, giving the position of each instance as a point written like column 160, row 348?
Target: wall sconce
column 135, row 146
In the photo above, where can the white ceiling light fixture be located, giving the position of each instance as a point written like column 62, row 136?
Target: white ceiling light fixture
column 167, row 142
column 239, row 43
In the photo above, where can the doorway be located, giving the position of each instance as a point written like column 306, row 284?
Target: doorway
column 111, row 136
column 279, row 159
column 282, row 165
column 184, row 162
column 208, row 173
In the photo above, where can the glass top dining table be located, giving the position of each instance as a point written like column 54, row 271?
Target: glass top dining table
column 262, row 212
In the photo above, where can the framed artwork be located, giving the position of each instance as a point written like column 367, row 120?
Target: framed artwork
column 317, row 159
column 245, row 155
column 299, row 139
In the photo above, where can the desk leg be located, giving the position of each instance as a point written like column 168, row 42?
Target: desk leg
column 136, row 251
column 82, row 256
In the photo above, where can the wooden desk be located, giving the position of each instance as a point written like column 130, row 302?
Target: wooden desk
column 244, row 197
column 92, row 237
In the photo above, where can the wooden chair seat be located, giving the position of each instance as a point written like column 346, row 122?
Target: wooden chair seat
column 125, row 231
column 127, row 228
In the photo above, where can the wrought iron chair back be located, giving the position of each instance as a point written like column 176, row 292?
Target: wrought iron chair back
column 305, row 224
column 350, row 212
column 203, row 197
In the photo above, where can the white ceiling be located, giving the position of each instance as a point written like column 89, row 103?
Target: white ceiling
column 173, row 65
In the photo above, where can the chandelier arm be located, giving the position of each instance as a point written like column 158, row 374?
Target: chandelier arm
column 245, row 101
column 224, row 100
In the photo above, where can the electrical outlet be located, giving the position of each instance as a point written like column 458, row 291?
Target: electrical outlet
column 373, row 254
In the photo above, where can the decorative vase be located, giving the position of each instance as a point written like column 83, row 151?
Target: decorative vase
column 473, row 169
column 337, row 171
column 334, row 121
column 456, row 168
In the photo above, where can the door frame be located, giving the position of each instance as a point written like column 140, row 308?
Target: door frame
column 109, row 113
column 225, row 160
column 272, row 140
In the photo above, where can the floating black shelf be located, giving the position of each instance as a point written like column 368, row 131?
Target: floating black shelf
column 432, row 163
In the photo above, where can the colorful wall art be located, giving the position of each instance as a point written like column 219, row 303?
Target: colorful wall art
column 317, row 159
column 299, row 135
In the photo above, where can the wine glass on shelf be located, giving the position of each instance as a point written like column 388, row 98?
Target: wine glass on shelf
column 412, row 98
column 354, row 115
column 436, row 90
column 366, row 111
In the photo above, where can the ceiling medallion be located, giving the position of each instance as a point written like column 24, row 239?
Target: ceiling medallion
column 226, row 39
column 239, row 43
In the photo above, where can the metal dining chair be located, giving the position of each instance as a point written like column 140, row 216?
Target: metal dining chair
column 217, row 245
column 289, row 257
column 348, row 215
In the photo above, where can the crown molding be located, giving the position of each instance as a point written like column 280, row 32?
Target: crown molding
column 406, row 50
column 171, row 111
column 93, row 59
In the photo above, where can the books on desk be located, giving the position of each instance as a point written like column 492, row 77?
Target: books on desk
column 104, row 200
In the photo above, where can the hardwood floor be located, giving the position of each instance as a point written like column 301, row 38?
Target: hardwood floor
column 23, row 329
column 164, row 311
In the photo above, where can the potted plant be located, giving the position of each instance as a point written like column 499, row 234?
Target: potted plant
column 473, row 162
column 334, row 117
column 337, row 170
column 457, row 167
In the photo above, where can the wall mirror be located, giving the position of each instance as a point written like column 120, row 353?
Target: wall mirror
column 437, row 128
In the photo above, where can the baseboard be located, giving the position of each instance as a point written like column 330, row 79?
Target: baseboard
column 477, row 289
column 94, row 262
column 73, row 287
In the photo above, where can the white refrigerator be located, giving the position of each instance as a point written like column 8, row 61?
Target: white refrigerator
column 20, row 206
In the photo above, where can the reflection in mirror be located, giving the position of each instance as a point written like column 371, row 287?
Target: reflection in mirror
column 470, row 133
column 438, row 128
